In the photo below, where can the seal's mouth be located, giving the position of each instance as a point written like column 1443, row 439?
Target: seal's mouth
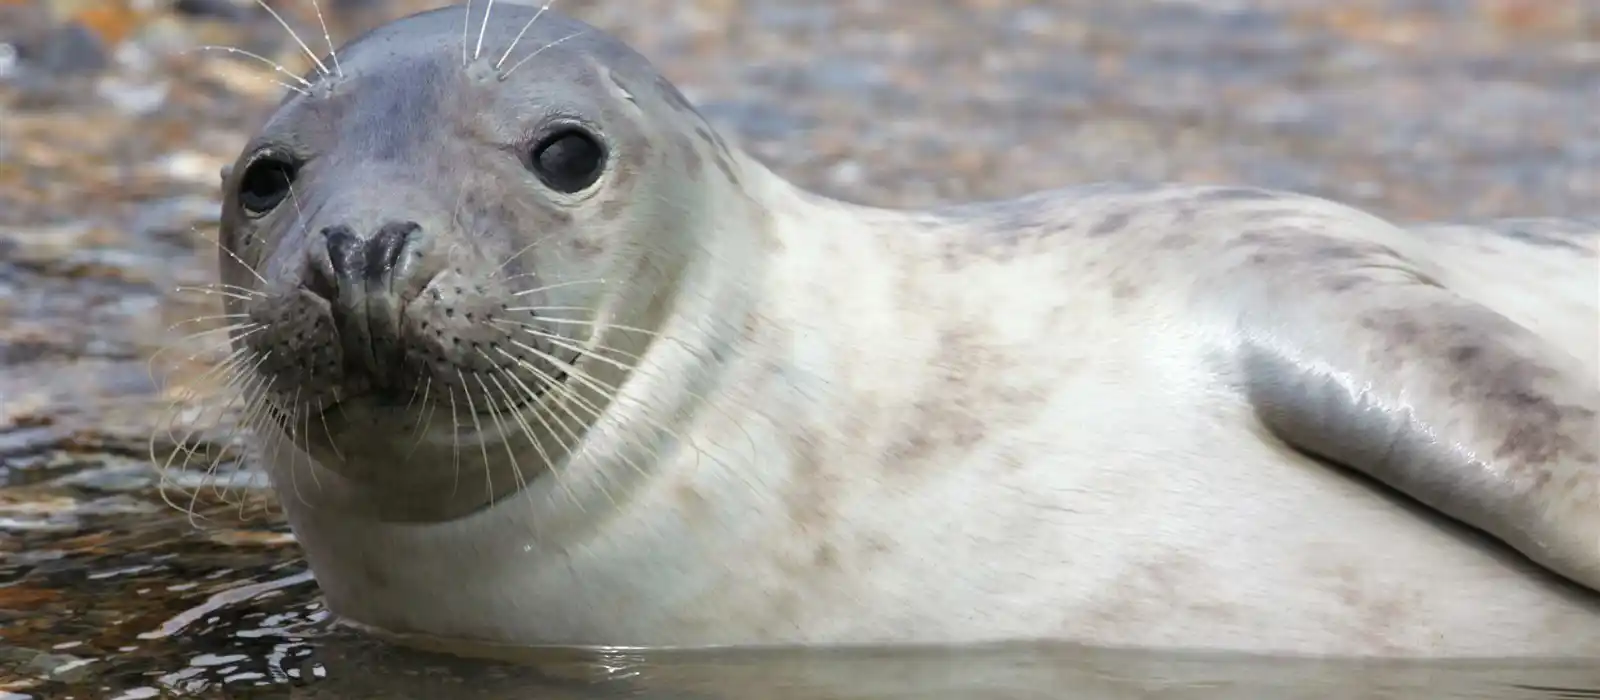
column 390, row 401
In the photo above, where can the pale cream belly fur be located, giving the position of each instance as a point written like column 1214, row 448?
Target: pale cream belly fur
column 930, row 434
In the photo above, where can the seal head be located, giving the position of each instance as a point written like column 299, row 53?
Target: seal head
column 428, row 243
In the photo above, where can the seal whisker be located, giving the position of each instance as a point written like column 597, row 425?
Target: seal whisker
column 424, row 418
column 296, row 449
column 477, row 427
column 605, row 389
column 553, row 385
column 296, row 37
column 249, row 394
column 541, row 49
column 269, row 424
column 502, row 266
column 333, row 52
column 214, row 292
column 332, row 443
column 240, row 261
column 537, row 309
column 482, row 28
column 563, row 343
column 548, row 287
column 455, row 438
column 550, row 464
column 244, row 425
column 228, row 367
column 214, row 287
column 466, row 30
column 518, row 38
column 212, row 317
column 263, row 59
column 184, row 445
column 631, row 366
column 599, row 325
column 150, row 363
column 222, row 366
column 416, row 388
column 494, row 415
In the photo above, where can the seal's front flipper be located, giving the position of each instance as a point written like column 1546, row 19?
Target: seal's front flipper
column 1442, row 399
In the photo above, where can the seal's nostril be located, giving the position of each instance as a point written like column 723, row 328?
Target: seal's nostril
column 385, row 249
column 344, row 253
column 343, row 261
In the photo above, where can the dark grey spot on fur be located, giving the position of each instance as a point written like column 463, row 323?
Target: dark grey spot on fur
column 1177, row 240
column 1112, row 223
column 1513, row 390
column 1239, row 194
column 1549, row 233
column 1343, row 282
column 693, row 164
column 712, row 137
column 994, row 229
column 611, row 209
column 674, row 98
column 726, row 167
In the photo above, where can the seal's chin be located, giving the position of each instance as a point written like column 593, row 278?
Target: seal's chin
column 355, row 418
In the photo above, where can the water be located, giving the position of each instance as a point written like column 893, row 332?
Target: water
column 108, row 189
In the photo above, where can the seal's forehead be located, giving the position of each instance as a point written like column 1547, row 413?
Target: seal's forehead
column 406, row 88
column 521, row 42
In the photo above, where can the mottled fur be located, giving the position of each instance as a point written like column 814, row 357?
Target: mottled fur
column 1170, row 416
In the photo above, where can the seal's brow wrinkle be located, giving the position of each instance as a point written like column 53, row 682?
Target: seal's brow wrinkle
column 680, row 400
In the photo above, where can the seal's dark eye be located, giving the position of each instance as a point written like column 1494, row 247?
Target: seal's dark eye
column 568, row 160
column 265, row 183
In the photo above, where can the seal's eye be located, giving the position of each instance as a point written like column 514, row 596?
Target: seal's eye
column 265, row 183
column 567, row 160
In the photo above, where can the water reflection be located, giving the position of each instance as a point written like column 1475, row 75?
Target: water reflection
column 358, row 667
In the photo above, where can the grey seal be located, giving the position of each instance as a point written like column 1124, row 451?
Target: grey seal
column 547, row 360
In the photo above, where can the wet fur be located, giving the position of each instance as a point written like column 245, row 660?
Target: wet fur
column 1148, row 416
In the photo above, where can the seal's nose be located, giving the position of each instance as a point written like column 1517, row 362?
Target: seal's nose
column 357, row 266
column 365, row 281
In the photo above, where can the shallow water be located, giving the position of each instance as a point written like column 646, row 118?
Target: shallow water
column 108, row 161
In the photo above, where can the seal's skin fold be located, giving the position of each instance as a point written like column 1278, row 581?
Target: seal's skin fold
column 692, row 404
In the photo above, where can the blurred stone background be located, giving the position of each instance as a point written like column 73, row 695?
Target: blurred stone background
column 113, row 127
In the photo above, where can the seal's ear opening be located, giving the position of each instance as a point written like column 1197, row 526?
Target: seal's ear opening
column 226, row 172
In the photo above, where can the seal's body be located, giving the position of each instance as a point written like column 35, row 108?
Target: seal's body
column 567, row 368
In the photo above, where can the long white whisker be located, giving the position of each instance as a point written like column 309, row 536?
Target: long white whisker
column 555, row 385
column 333, row 53
column 466, row 29
column 558, row 285
column 294, row 36
column 455, row 439
column 494, row 414
column 212, row 317
column 550, row 463
column 477, row 426
column 214, row 292
column 524, row 30
column 219, row 286
column 424, row 419
column 541, row 50
column 524, row 249
column 487, row 10
column 262, row 59
column 581, row 322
